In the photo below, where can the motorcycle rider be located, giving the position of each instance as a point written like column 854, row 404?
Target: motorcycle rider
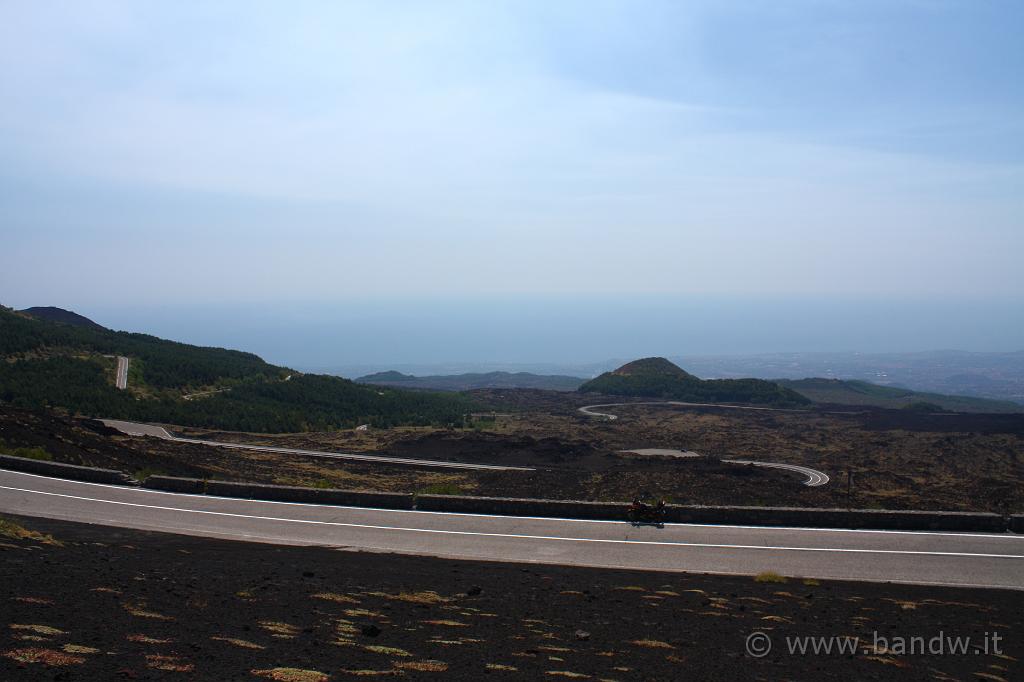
column 640, row 511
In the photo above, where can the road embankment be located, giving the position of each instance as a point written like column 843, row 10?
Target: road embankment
column 59, row 470
column 880, row 519
column 281, row 493
column 503, row 506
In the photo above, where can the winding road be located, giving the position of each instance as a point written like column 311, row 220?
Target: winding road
column 121, row 378
column 137, row 429
column 965, row 559
column 814, row 477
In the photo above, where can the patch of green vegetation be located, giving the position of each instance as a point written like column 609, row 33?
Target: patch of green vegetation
column 140, row 610
column 429, row 666
column 387, row 650
column 146, row 472
column 423, row 597
column 240, row 643
column 48, row 657
column 659, row 378
column 15, row 531
column 652, row 644
column 27, row 453
column 79, row 649
column 292, row 675
column 47, row 630
column 442, row 489
column 769, row 577
column 136, row 373
column 482, row 422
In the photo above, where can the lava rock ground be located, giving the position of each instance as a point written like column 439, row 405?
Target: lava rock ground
column 96, row 603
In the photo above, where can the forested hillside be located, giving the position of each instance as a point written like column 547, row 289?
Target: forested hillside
column 47, row 364
column 53, row 314
column 168, row 364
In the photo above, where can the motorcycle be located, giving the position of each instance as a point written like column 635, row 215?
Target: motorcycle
column 641, row 513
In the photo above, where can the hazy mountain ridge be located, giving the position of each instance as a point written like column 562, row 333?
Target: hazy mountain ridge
column 994, row 375
column 854, row 392
column 988, row 374
column 474, row 380
column 58, row 358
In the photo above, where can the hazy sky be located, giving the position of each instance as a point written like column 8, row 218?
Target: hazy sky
column 427, row 181
column 171, row 153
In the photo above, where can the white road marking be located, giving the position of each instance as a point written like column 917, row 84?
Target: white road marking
column 554, row 538
column 814, row 477
column 927, row 533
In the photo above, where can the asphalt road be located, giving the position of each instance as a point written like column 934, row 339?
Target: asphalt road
column 814, row 477
column 137, row 429
column 121, row 380
column 967, row 559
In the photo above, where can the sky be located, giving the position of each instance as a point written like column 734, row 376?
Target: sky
column 242, row 156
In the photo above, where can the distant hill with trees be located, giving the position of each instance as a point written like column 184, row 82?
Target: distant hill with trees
column 52, row 314
column 850, row 392
column 70, row 365
column 471, row 381
column 660, row 378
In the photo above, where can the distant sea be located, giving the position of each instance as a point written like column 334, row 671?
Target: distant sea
column 564, row 335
